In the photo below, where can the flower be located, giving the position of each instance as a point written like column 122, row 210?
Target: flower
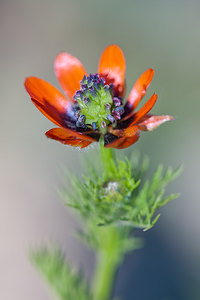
column 93, row 107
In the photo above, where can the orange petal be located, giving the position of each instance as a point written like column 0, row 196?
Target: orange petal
column 69, row 137
column 47, row 99
column 124, row 142
column 112, row 66
column 144, row 110
column 69, row 71
column 139, row 89
column 152, row 122
column 124, row 132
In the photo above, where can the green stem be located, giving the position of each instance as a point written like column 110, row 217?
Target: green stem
column 108, row 259
column 104, row 277
column 110, row 239
column 107, row 159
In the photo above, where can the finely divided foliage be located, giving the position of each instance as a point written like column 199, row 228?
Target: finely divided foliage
column 112, row 201
column 65, row 283
column 120, row 194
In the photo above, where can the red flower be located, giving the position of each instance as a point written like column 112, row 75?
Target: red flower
column 93, row 107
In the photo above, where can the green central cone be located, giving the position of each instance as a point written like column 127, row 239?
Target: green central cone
column 95, row 103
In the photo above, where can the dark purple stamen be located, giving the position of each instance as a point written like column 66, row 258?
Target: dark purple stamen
column 78, row 95
column 80, row 121
column 107, row 88
column 92, row 91
column 89, row 82
column 120, row 109
column 111, row 119
column 101, row 82
column 84, row 86
column 116, row 115
column 96, row 85
column 86, row 93
column 94, row 76
column 83, row 81
column 94, row 125
column 86, row 100
column 117, row 101
column 103, row 124
column 76, row 111
column 107, row 106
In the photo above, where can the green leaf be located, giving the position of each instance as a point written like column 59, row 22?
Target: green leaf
column 65, row 283
column 119, row 192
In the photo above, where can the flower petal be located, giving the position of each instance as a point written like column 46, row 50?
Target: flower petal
column 142, row 111
column 69, row 137
column 48, row 100
column 122, row 142
column 69, row 71
column 112, row 66
column 152, row 122
column 139, row 90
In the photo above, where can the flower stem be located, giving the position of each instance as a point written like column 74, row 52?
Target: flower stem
column 111, row 239
column 107, row 159
column 108, row 259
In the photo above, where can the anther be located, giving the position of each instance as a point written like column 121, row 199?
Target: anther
column 78, row 95
column 83, row 81
column 103, row 124
column 102, row 82
column 80, row 121
column 83, row 87
column 92, row 91
column 89, row 80
column 120, row 109
column 111, row 119
column 94, row 76
column 107, row 88
column 107, row 106
column 86, row 92
column 96, row 85
column 116, row 115
column 94, row 125
column 116, row 101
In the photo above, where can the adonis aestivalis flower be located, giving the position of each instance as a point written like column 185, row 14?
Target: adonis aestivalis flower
column 93, row 107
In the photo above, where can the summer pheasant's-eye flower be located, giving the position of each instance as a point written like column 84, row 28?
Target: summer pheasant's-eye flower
column 93, row 106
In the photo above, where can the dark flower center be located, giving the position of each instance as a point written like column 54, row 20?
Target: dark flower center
column 96, row 107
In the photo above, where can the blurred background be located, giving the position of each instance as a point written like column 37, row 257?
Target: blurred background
column 163, row 35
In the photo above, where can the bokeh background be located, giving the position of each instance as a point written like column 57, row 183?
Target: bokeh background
column 163, row 35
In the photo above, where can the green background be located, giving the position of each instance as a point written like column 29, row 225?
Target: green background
column 163, row 35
